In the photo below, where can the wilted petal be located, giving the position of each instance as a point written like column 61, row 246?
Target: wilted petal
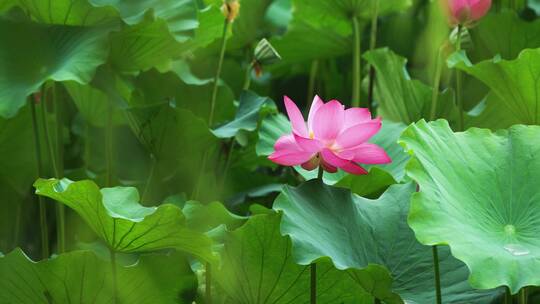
column 315, row 105
column 354, row 116
column 358, row 134
column 328, row 121
column 296, row 118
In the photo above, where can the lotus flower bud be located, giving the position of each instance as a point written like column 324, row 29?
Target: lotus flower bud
column 465, row 12
column 230, row 9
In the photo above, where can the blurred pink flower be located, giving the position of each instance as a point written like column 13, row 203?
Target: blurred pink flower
column 465, row 12
column 333, row 138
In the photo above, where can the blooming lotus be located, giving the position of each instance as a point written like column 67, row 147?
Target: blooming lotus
column 466, row 11
column 334, row 137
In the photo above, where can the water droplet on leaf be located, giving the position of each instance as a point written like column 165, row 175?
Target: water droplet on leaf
column 516, row 249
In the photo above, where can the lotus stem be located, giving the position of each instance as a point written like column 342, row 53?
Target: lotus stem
column 311, row 83
column 523, row 295
column 218, row 71
column 356, row 77
column 372, row 45
column 55, row 158
column 109, row 132
column 461, row 124
column 436, row 84
column 438, row 294
column 150, row 177
column 208, row 279
column 507, row 296
column 313, row 285
column 320, row 173
column 39, row 162
column 114, row 276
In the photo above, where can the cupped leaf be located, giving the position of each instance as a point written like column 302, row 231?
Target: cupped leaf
column 514, row 83
column 37, row 53
column 82, row 277
column 478, row 194
column 257, row 267
column 246, row 117
column 116, row 216
column 356, row 233
column 400, row 98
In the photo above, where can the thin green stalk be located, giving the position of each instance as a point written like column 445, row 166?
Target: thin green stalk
column 55, row 156
column 437, row 274
column 227, row 164
column 39, row 162
column 436, row 85
column 311, row 83
column 356, row 77
column 313, row 266
column 218, row 71
column 507, row 296
column 114, row 276
column 109, row 133
column 523, row 295
column 247, row 78
column 17, row 229
column 461, row 125
column 208, row 278
column 372, row 45
column 313, row 279
column 198, row 184
column 150, row 178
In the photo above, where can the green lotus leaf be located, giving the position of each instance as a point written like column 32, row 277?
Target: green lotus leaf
column 257, row 267
column 180, row 16
column 504, row 34
column 64, row 53
column 401, row 98
column 478, row 195
column 68, row 12
column 357, row 233
column 82, row 277
column 116, row 216
column 513, row 83
column 246, row 117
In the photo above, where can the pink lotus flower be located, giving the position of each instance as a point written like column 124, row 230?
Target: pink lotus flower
column 333, row 138
column 465, row 12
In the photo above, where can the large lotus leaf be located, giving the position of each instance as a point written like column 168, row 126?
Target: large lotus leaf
column 180, row 15
column 355, row 232
column 246, row 117
column 143, row 46
column 82, row 277
column 92, row 103
column 514, row 83
column 478, row 194
column 37, row 53
column 210, row 28
column 401, row 98
column 258, row 267
column 67, row 12
column 504, row 34
column 117, row 217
